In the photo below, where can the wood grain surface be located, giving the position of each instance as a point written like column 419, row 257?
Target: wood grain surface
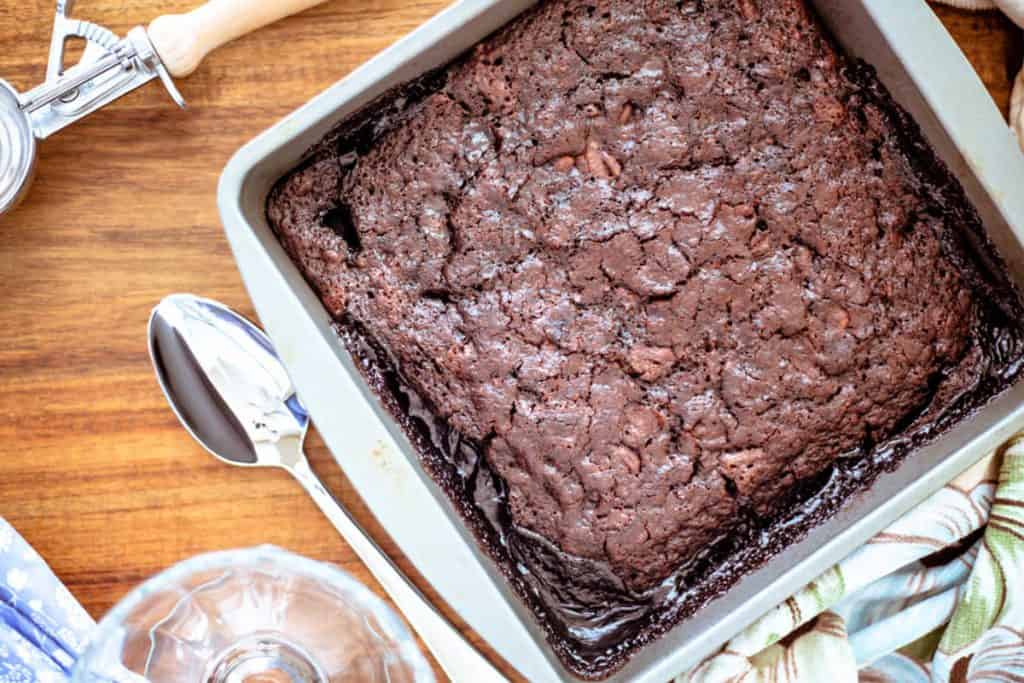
column 96, row 472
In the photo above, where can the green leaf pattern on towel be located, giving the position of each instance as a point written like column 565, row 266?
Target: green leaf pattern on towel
column 992, row 604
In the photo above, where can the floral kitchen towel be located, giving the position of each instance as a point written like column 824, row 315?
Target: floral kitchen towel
column 938, row 597
column 42, row 628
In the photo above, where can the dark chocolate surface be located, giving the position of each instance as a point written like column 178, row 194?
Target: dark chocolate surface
column 654, row 287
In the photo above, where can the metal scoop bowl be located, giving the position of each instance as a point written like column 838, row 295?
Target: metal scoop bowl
column 17, row 149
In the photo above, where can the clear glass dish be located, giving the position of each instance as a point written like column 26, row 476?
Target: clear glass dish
column 261, row 615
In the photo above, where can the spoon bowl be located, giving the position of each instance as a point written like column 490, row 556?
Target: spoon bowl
column 225, row 383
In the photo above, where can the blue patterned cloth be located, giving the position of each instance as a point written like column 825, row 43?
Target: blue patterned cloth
column 42, row 627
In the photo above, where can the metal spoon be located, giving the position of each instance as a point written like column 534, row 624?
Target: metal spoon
column 231, row 392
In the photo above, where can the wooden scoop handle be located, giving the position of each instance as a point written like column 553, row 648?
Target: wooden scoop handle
column 184, row 40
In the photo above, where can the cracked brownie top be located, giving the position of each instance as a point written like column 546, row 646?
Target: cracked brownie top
column 660, row 260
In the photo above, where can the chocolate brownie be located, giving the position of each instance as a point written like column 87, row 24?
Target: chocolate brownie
column 658, row 265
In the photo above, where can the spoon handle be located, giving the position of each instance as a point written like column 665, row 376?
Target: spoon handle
column 458, row 658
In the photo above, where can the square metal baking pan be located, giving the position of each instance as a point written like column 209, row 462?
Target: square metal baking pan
column 925, row 71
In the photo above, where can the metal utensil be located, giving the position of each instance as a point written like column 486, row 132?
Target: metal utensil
column 226, row 384
column 172, row 46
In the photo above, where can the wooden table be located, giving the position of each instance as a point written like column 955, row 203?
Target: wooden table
column 96, row 473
